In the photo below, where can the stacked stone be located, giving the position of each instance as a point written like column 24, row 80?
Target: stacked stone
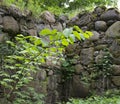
column 105, row 26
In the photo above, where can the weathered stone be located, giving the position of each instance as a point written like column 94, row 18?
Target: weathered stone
column 3, row 10
column 116, row 69
column 52, row 82
column 78, row 69
column 113, row 31
column 23, row 26
column 41, row 75
column 40, row 81
column 99, row 10
column 87, row 44
column 78, row 89
column 48, row 17
column 100, row 47
column 86, row 19
column 63, row 18
column 14, row 11
column 116, row 80
column 73, row 21
column 110, row 22
column 95, row 36
column 72, row 50
column 110, row 14
column 30, row 25
column 3, row 37
column 86, row 56
column 32, row 32
column 50, row 72
column 115, row 48
column 53, row 62
column 57, row 26
column 99, row 57
column 10, row 24
column 116, row 60
column 42, row 26
column 1, row 20
column 100, row 25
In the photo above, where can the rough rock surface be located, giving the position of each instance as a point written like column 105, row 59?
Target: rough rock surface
column 100, row 25
column 10, row 24
column 114, row 30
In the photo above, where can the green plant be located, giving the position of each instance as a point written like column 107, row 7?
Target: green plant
column 67, row 70
column 100, row 69
column 103, row 66
column 113, row 98
column 28, row 53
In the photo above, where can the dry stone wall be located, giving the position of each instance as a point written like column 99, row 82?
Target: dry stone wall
column 105, row 26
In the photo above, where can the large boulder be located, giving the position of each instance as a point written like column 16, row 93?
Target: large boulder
column 116, row 69
column 1, row 20
column 10, row 25
column 115, row 48
column 86, row 56
column 114, row 30
column 100, row 26
column 99, row 10
column 63, row 18
column 42, row 26
column 116, row 80
column 57, row 26
column 48, row 17
column 86, row 19
column 95, row 36
column 32, row 32
column 110, row 14
column 78, row 89
column 78, row 69
column 73, row 21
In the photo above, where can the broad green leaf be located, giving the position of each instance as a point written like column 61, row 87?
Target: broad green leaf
column 53, row 49
column 78, row 29
column 89, row 33
column 82, row 36
column 45, row 32
column 37, row 41
column 86, row 36
column 77, row 35
column 53, row 32
column 11, row 43
column 44, row 43
column 67, row 32
column 57, row 43
column 65, row 42
column 72, row 38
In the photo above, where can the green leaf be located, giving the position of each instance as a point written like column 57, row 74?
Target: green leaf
column 67, row 32
column 54, row 31
column 44, row 43
column 89, row 33
column 86, row 36
column 37, row 41
column 65, row 42
column 77, row 35
column 78, row 29
column 11, row 43
column 53, row 49
column 82, row 36
column 46, row 32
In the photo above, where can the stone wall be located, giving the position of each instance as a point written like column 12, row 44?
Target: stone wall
column 105, row 25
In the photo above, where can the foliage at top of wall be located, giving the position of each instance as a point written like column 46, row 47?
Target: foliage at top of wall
column 60, row 6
